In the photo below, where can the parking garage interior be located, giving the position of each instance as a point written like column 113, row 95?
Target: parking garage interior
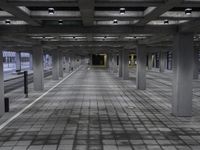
column 99, row 75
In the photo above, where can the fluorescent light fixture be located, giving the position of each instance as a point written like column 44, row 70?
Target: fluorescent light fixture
column 188, row 11
column 37, row 37
column 166, row 21
column 122, row 11
column 115, row 21
column 7, row 21
column 60, row 22
column 49, row 37
column 51, row 11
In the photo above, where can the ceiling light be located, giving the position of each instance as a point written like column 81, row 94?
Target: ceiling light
column 51, row 11
column 7, row 21
column 122, row 11
column 166, row 21
column 60, row 22
column 37, row 37
column 49, row 37
column 115, row 21
column 188, row 11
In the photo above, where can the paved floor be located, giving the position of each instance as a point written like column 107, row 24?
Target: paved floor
column 95, row 110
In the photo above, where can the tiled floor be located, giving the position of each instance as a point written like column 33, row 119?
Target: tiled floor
column 95, row 110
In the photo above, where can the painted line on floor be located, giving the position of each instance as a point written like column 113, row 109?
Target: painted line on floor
column 36, row 100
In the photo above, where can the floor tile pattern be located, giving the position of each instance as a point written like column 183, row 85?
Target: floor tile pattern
column 95, row 110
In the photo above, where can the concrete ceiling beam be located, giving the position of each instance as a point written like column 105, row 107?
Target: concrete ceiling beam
column 152, row 13
column 61, row 30
column 87, row 11
column 18, row 12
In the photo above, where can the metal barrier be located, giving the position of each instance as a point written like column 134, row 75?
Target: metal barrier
column 26, row 83
column 6, row 101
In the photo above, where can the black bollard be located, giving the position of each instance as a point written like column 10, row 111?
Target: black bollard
column 26, row 83
column 6, row 101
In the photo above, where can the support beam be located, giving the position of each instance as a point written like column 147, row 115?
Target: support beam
column 115, row 63
column 162, row 61
column 87, row 11
column 19, row 12
column 55, row 65
column 110, row 57
column 125, row 59
column 196, row 64
column 2, row 108
column 18, row 60
column 31, row 61
column 38, row 68
column 66, row 64
column 141, row 67
column 73, row 62
column 61, row 64
column 183, row 75
column 150, row 61
column 56, row 29
column 43, row 3
column 191, row 26
column 120, row 63
column 152, row 13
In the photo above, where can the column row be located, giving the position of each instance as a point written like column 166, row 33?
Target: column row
column 60, row 64
column 185, row 69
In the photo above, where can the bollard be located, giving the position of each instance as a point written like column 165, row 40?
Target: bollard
column 6, row 101
column 26, row 83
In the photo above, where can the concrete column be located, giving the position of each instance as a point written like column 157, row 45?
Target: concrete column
column 90, row 60
column 196, row 64
column 66, row 63
column 154, row 60
column 55, row 65
column 72, row 62
column 183, row 74
column 120, row 63
column 18, row 60
column 31, row 61
column 125, row 71
column 38, row 68
column 162, row 61
column 75, row 63
column 61, row 64
column 107, row 61
column 110, row 62
column 114, row 63
column 141, row 67
column 2, row 108
column 150, row 61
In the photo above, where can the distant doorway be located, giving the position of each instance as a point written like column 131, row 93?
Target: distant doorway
column 99, row 60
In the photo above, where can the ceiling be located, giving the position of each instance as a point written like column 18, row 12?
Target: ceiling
column 86, row 26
